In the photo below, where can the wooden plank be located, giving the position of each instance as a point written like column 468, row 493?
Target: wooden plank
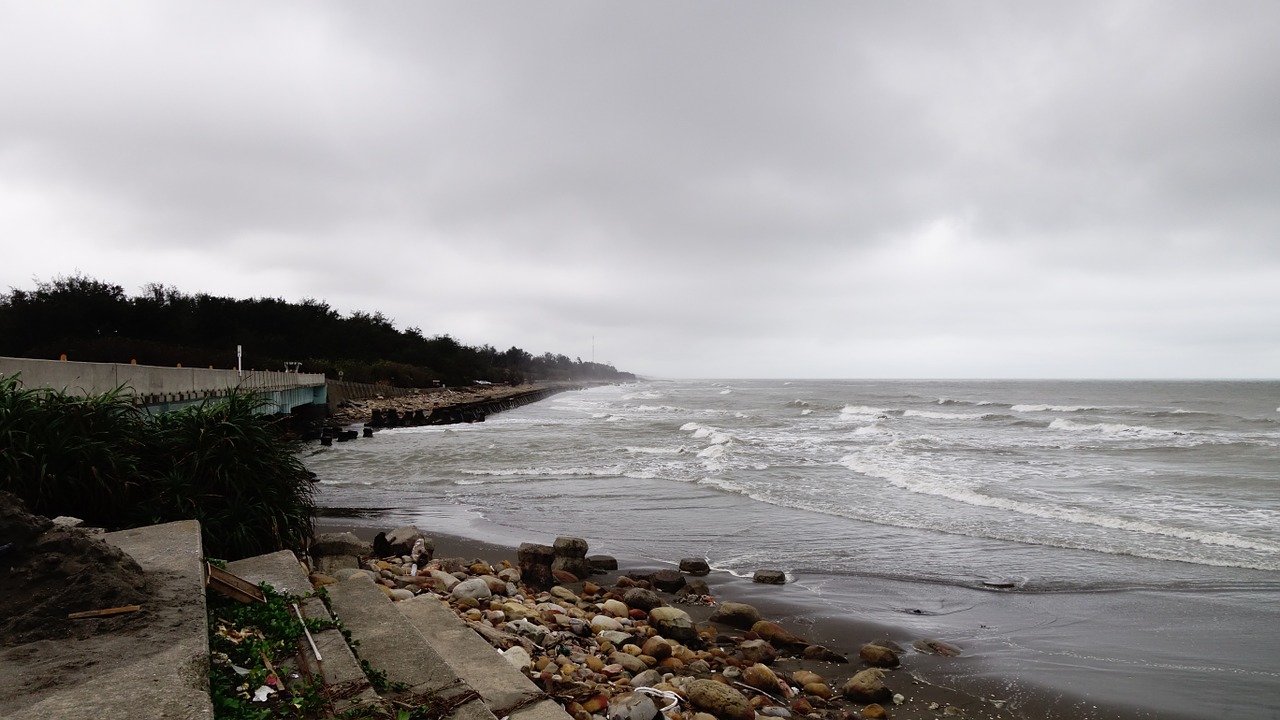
column 107, row 612
column 233, row 586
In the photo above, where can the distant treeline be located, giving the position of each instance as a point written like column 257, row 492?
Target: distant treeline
column 95, row 321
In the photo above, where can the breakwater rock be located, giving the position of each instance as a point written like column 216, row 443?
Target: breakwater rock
column 444, row 406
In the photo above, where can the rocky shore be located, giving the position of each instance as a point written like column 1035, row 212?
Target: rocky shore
column 630, row 644
column 436, row 406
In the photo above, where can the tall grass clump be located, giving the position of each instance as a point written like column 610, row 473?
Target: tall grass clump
column 67, row 454
column 104, row 460
column 228, row 466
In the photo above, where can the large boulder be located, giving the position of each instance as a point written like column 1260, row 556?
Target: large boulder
column 695, row 566
column 474, row 588
column 739, row 615
column 877, row 656
column 640, row 598
column 770, row 577
column 673, row 623
column 775, row 634
column 339, row 544
column 667, row 580
column 936, row 647
column 867, row 687
column 719, row 699
column 535, row 565
column 571, row 556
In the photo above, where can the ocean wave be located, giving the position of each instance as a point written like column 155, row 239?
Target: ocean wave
column 862, row 411
column 690, row 427
column 1052, row 408
column 806, row 411
column 645, row 395
column 925, row 484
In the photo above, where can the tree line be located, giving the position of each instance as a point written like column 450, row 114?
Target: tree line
column 96, row 321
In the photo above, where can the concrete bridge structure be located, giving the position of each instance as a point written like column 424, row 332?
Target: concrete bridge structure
column 162, row 389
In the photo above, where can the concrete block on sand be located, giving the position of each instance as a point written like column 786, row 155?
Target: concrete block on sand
column 153, row 665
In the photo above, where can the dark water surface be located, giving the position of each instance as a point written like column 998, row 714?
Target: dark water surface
column 1133, row 527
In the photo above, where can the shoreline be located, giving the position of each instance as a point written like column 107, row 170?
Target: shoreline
column 966, row 684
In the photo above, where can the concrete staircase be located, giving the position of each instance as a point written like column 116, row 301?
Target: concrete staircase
column 420, row 644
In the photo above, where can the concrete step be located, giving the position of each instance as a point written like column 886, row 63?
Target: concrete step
column 338, row 666
column 422, row 643
column 159, row 669
column 505, row 690
column 391, row 645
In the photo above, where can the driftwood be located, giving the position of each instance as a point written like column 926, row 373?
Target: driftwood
column 104, row 613
column 502, row 640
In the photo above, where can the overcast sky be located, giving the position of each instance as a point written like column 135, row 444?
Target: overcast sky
column 709, row 189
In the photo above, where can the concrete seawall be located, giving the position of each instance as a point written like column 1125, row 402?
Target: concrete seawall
column 166, row 388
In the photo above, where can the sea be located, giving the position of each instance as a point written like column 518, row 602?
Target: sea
column 1113, row 546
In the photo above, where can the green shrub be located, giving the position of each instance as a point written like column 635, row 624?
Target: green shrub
column 102, row 459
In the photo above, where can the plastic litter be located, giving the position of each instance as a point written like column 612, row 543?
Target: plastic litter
column 664, row 694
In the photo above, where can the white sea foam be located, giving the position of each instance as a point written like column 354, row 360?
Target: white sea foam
column 690, row 427
column 653, row 450
column 646, row 395
column 946, row 416
column 712, row 453
column 1113, row 429
column 1052, row 408
column 870, row 430
column 610, row 471
column 806, row 411
column 725, row 392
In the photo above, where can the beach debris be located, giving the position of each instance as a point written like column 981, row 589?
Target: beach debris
column 262, row 693
column 898, row 699
column 106, row 612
